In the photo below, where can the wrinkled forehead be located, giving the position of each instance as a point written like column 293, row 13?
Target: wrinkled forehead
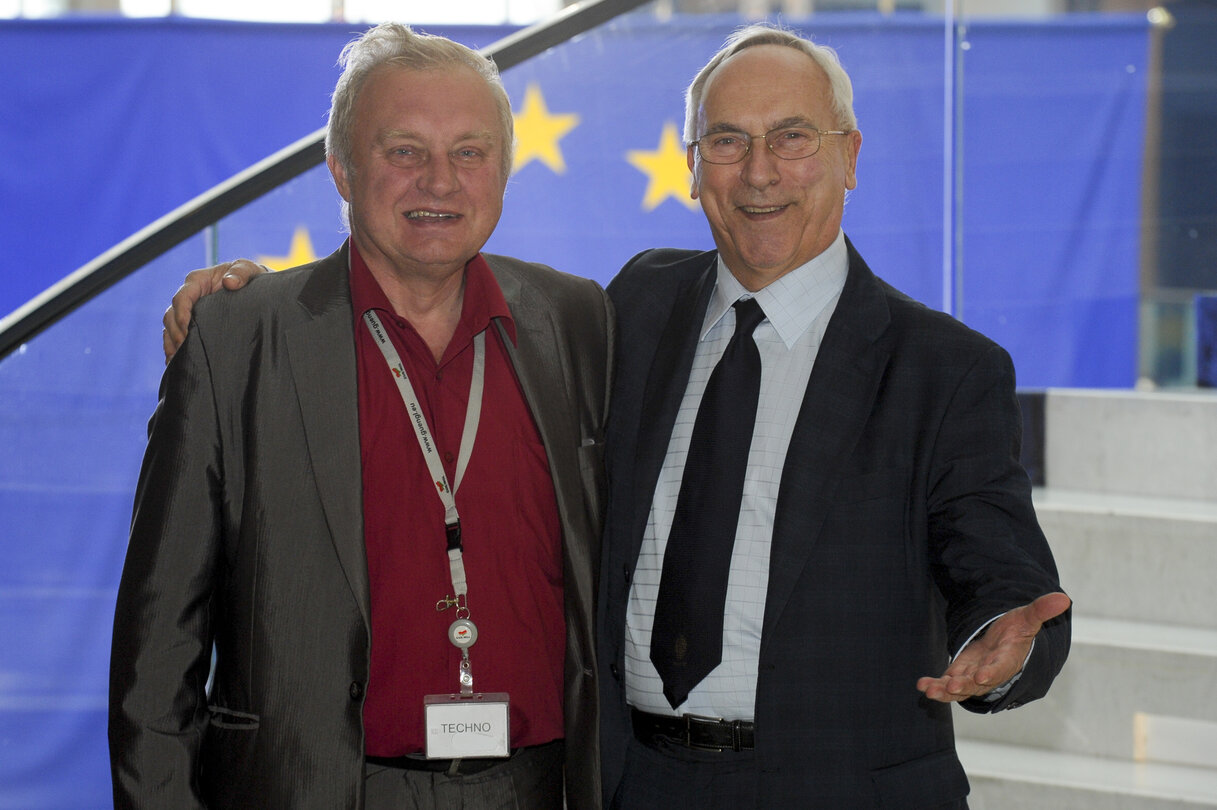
column 766, row 85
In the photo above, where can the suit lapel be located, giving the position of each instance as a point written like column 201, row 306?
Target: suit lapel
column 322, row 356
column 538, row 361
column 665, row 387
column 542, row 365
column 838, row 402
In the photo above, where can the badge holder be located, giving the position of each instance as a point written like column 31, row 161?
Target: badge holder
column 468, row 724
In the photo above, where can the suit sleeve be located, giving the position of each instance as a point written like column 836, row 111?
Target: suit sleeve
column 989, row 553
column 161, row 651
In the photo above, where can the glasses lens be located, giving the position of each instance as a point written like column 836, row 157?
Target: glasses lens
column 792, row 143
column 723, row 147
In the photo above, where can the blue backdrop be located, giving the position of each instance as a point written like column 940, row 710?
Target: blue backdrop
column 109, row 125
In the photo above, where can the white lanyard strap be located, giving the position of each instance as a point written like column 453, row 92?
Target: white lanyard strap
column 473, row 415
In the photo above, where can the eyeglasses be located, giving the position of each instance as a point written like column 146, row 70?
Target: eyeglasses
column 788, row 143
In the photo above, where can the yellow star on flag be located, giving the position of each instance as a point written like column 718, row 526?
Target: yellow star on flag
column 538, row 132
column 666, row 170
column 301, row 252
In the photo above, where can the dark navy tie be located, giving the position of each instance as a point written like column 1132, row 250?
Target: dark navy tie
column 687, row 637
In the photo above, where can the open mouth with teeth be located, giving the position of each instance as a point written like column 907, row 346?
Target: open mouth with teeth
column 432, row 215
column 756, row 210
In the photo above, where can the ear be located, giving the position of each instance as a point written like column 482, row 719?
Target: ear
column 341, row 181
column 853, row 145
column 694, row 169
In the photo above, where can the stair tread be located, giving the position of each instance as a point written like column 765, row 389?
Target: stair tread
column 1144, row 635
column 1125, row 505
column 1077, row 771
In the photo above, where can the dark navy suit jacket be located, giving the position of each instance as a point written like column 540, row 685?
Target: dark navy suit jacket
column 904, row 522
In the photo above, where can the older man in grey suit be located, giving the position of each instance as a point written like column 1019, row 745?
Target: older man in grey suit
column 358, row 469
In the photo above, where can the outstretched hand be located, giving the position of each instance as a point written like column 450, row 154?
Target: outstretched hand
column 230, row 275
column 996, row 656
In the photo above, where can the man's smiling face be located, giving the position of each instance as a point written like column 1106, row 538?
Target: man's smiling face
column 427, row 171
column 769, row 215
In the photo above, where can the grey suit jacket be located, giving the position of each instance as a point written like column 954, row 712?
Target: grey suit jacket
column 903, row 523
column 248, row 533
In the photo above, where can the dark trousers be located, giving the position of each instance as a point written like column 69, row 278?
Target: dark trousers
column 682, row 777
column 531, row 779
column 673, row 776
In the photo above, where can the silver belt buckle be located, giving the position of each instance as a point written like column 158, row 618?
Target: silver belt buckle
column 689, row 718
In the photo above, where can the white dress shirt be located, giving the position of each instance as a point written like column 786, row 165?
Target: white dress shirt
column 797, row 308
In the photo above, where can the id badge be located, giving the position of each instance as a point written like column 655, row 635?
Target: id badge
column 461, row 726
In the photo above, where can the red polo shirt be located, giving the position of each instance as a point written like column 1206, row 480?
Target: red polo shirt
column 509, row 521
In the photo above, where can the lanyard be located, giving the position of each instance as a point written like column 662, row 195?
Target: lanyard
column 473, row 415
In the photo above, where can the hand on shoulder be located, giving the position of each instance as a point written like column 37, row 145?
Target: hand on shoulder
column 229, row 275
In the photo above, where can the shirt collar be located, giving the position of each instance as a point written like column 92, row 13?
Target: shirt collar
column 483, row 301
column 791, row 302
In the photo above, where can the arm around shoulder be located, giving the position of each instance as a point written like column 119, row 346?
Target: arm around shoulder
column 199, row 283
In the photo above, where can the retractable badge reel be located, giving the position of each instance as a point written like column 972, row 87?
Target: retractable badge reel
column 463, row 634
column 468, row 724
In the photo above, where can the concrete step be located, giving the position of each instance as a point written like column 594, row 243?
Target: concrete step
column 1134, row 558
column 1009, row 777
column 1129, row 505
column 1134, row 443
column 1129, row 690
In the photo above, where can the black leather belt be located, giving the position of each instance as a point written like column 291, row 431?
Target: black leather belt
column 691, row 731
column 453, row 767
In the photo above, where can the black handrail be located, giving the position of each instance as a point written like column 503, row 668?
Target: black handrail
column 211, row 206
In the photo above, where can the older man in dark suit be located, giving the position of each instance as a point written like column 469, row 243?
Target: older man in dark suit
column 802, row 534
column 373, row 485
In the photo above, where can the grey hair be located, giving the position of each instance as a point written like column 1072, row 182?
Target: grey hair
column 770, row 34
column 398, row 45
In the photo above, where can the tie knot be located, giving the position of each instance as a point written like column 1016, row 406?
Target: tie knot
column 748, row 315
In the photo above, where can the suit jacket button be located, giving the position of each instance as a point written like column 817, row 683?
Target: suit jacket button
column 616, row 673
column 356, row 690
